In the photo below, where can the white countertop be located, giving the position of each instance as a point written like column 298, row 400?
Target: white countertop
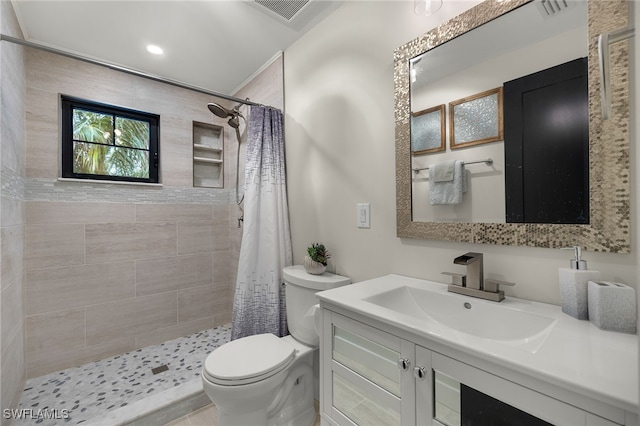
column 575, row 355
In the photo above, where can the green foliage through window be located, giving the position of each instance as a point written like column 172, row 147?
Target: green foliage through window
column 105, row 142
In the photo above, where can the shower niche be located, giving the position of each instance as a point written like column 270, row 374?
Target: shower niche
column 208, row 155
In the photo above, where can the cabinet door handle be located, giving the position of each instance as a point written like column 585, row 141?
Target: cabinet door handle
column 420, row 373
column 404, row 364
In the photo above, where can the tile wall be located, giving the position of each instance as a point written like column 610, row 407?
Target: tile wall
column 106, row 278
column 12, row 161
column 109, row 267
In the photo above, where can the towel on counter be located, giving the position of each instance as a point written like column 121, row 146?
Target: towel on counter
column 442, row 191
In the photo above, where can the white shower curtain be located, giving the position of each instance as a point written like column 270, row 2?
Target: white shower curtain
column 259, row 305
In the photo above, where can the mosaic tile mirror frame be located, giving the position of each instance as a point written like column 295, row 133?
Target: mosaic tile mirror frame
column 609, row 174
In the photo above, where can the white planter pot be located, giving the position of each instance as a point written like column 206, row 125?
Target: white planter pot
column 313, row 267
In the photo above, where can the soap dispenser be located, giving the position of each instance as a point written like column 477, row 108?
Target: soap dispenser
column 574, row 285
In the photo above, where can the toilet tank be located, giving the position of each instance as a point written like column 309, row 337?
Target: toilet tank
column 301, row 289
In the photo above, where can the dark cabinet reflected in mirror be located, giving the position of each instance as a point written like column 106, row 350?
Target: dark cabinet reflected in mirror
column 546, row 144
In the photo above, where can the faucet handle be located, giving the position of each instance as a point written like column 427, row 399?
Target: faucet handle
column 493, row 286
column 457, row 279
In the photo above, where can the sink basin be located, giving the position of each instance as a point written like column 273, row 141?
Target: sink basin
column 488, row 320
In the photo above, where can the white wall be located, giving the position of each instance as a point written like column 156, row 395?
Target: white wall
column 341, row 151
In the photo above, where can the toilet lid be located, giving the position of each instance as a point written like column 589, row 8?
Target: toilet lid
column 248, row 360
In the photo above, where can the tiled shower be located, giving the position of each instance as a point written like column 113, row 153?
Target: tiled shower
column 109, row 268
column 107, row 278
column 93, row 270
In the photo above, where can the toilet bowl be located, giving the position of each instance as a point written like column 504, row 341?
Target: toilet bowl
column 265, row 380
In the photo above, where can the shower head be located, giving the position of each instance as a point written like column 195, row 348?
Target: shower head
column 223, row 112
column 234, row 121
column 219, row 110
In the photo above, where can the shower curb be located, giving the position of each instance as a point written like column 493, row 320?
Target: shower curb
column 160, row 408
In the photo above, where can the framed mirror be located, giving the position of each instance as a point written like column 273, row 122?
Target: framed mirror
column 607, row 145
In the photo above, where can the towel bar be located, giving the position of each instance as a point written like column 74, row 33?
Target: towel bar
column 488, row 162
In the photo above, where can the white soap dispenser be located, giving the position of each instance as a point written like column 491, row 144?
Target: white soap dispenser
column 574, row 285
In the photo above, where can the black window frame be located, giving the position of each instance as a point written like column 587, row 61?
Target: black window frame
column 68, row 104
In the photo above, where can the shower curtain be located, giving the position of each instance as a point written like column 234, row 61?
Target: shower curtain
column 259, row 305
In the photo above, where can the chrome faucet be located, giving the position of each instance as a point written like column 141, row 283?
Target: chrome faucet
column 473, row 283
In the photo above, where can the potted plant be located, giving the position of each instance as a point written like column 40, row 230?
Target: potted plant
column 315, row 261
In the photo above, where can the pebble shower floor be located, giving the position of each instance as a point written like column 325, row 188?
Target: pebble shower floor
column 90, row 391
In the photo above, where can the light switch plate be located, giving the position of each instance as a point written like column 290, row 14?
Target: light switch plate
column 364, row 215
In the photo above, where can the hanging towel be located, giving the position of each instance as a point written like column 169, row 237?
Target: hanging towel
column 447, row 191
column 442, row 172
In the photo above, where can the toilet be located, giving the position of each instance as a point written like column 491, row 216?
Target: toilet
column 266, row 380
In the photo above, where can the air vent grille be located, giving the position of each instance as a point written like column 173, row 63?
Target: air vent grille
column 549, row 8
column 286, row 9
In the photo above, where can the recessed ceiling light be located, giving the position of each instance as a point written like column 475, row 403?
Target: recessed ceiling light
column 156, row 50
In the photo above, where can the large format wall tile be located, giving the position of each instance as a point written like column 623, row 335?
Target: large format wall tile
column 56, row 289
column 173, row 273
column 223, row 266
column 13, row 371
column 48, row 246
column 11, row 249
column 196, row 303
column 110, row 321
column 11, row 315
column 196, row 237
column 223, row 303
column 169, row 333
column 54, row 332
column 40, row 212
column 42, row 133
column 111, row 242
column 12, row 211
column 42, row 363
column 173, row 212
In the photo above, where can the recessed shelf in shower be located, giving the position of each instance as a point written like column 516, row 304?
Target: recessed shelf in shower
column 208, row 155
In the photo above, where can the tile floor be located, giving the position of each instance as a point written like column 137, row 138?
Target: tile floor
column 208, row 416
column 90, row 391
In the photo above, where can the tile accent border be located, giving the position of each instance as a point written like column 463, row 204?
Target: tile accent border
column 609, row 230
column 38, row 189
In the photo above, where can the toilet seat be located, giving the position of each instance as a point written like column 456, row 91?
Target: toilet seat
column 248, row 360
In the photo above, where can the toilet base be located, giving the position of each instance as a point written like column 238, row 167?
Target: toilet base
column 256, row 417
column 294, row 404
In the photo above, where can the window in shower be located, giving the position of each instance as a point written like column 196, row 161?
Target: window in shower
column 109, row 143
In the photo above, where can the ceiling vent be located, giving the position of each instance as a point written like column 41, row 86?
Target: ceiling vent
column 296, row 14
column 285, row 9
column 549, row 8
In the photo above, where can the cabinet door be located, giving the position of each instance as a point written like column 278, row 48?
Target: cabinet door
column 366, row 374
column 424, row 379
column 485, row 399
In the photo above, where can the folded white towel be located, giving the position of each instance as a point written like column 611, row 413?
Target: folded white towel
column 448, row 192
column 442, row 172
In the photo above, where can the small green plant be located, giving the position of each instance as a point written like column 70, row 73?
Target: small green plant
column 318, row 253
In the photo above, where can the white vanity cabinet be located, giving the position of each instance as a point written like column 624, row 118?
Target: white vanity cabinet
column 365, row 374
column 372, row 374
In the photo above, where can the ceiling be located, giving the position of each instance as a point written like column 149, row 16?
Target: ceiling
column 216, row 45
